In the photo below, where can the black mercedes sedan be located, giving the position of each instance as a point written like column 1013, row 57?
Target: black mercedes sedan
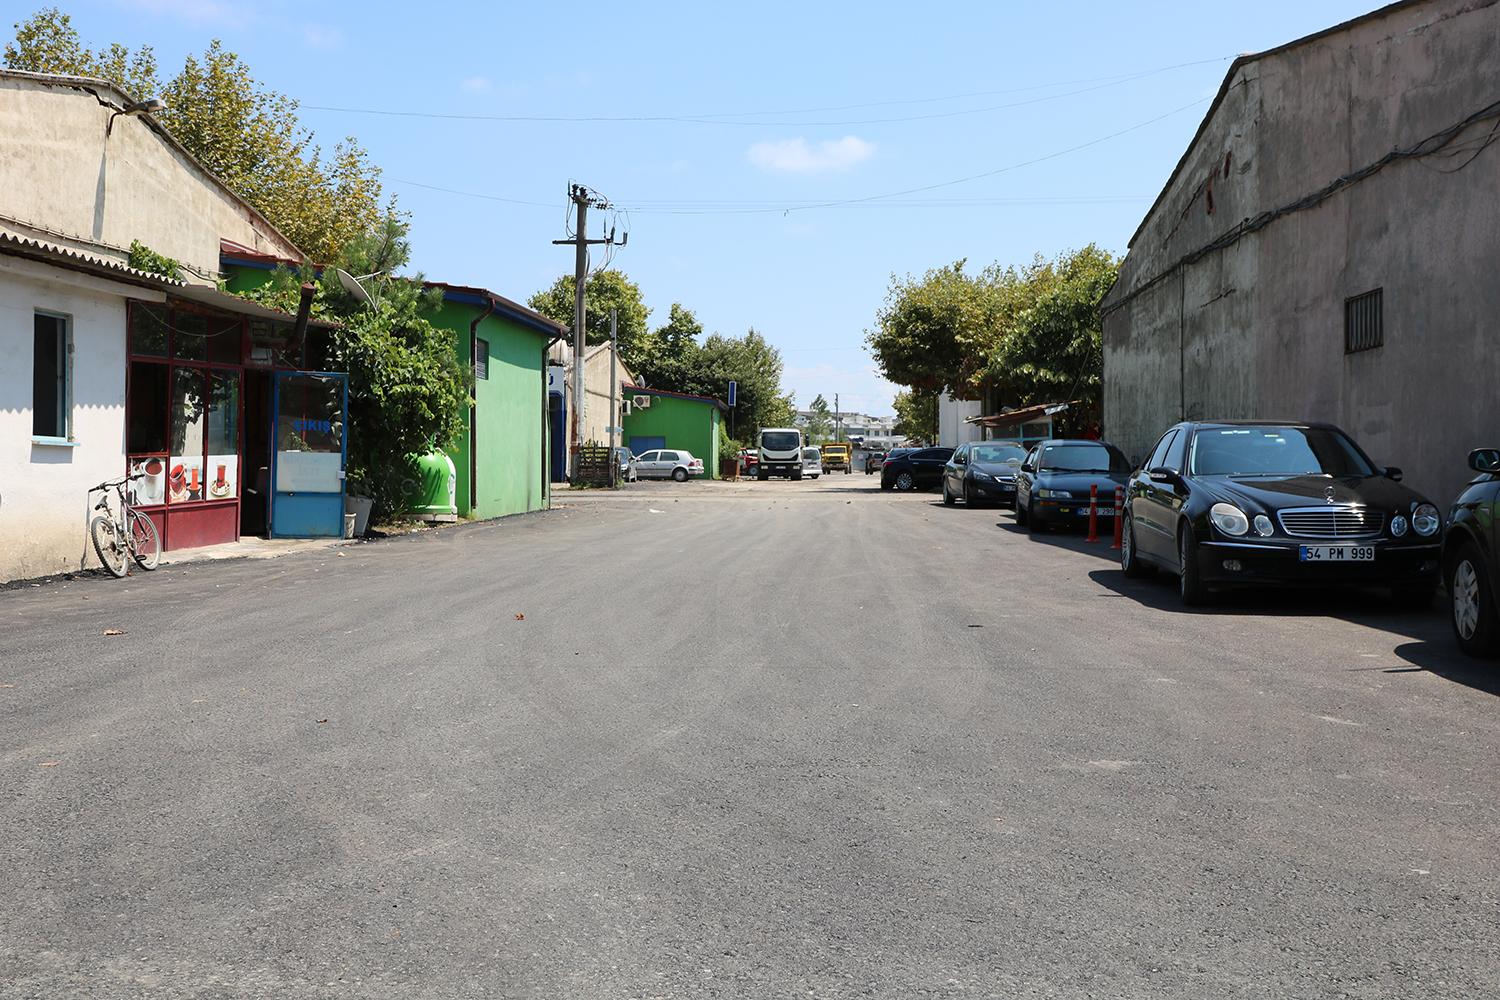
column 1056, row 479
column 918, row 469
column 983, row 473
column 1249, row 503
column 1470, row 543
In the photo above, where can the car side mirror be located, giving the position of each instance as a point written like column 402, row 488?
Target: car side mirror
column 1161, row 474
column 1485, row 459
column 1026, row 467
column 1392, row 473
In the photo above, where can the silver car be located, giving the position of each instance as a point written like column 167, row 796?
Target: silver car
column 625, row 462
column 668, row 463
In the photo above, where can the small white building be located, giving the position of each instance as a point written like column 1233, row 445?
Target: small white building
column 81, row 178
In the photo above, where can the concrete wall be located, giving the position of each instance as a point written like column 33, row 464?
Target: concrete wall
column 43, row 487
column 952, row 431
column 63, row 180
column 600, row 413
column 1257, row 329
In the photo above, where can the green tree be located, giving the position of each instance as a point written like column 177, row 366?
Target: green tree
column 820, row 424
column 602, row 292
column 755, row 366
column 407, row 388
column 671, row 352
column 916, row 415
column 1051, row 351
column 247, row 135
column 929, row 333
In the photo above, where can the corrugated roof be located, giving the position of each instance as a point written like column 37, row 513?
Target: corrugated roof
column 86, row 263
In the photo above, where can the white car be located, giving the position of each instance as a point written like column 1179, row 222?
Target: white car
column 668, row 463
column 812, row 462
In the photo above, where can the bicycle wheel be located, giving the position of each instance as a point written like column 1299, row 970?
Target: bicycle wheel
column 108, row 544
column 144, row 540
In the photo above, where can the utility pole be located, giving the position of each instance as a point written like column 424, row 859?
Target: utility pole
column 838, row 425
column 582, row 197
column 614, row 366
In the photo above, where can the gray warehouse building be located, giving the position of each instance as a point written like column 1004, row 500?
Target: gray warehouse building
column 1327, row 248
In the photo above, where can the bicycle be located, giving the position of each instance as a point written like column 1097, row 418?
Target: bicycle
column 131, row 535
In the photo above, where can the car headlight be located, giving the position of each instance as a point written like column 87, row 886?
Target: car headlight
column 1398, row 525
column 1263, row 526
column 1054, row 494
column 1426, row 520
column 983, row 477
column 1229, row 519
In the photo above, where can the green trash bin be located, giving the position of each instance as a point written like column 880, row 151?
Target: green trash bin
column 436, row 497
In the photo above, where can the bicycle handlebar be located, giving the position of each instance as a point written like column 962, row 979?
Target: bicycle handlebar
column 114, row 483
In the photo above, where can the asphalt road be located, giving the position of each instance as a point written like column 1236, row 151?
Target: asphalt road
column 736, row 740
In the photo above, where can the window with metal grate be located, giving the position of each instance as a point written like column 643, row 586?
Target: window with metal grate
column 1364, row 322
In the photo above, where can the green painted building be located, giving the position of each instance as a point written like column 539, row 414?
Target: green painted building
column 674, row 420
column 501, row 459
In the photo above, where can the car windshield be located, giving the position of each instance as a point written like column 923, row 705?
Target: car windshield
column 1082, row 458
column 1276, row 451
column 780, row 440
column 995, row 454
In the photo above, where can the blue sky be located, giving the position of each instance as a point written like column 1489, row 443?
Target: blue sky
column 775, row 164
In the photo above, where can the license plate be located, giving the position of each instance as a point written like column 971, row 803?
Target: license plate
column 1337, row 553
column 1102, row 511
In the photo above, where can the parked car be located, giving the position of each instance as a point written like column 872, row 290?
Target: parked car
column 749, row 457
column 668, row 463
column 983, row 472
column 1246, row 503
column 625, row 461
column 1056, row 480
column 1470, row 546
column 873, row 461
column 918, row 469
column 812, row 462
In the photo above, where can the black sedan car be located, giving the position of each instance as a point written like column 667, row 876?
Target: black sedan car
column 1246, row 503
column 983, row 473
column 1470, row 544
column 1057, row 479
column 914, row 470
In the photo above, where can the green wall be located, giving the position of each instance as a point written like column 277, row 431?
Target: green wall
column 689, row 424
column 509, row 421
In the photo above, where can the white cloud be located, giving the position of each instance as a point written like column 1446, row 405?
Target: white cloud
column 322, row 38
column 795, row 156
column 476, row 85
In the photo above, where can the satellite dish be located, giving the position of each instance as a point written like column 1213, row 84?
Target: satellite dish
column 353, row 287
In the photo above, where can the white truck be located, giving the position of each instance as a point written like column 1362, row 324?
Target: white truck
column 779, row 453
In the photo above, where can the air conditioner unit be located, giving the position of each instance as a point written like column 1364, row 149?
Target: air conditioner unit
column 641, row 402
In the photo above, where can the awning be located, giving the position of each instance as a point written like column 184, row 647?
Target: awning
column 223, row 301
column 1022, row 415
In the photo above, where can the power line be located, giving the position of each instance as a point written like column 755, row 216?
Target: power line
column 725, row 118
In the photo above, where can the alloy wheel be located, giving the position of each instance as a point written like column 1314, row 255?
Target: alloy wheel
column 1465, row 599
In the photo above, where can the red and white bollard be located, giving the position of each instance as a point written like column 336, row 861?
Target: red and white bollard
column 1093, row 513
column 1119, row 516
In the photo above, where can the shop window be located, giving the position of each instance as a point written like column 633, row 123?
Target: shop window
column 49, row 378
column 189, row 336
column 223, row 436
column 225, row 334
column 189, row 410
column 148, row 330
column 146, row 420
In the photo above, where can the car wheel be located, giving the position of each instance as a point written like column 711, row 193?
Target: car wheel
column 1021, row 512
column 904, row 481
column 1475, row 623
column 1130, row 559
column 948, row 497
column 1190, row 583
column 1034, row 524
column 680, row 475
column 760, row 477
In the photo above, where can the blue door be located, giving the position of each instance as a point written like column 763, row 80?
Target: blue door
column 307, row 462
column 641, row 445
